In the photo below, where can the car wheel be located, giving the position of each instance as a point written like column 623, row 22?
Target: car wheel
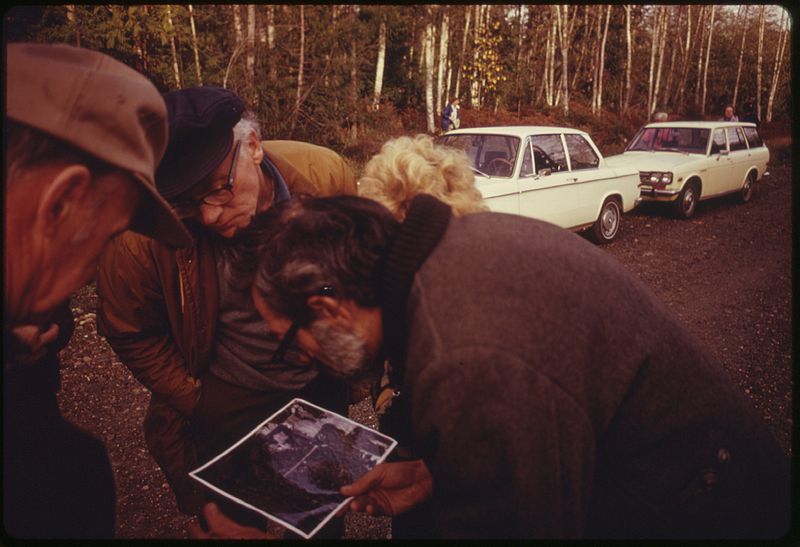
column 746, row 193
column 687, row 200
column 605, row 229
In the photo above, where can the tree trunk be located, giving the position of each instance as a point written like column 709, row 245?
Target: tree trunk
column 467, row 17
column 443, row 39
column 700, row 52
column 550, row 62
column 708, row 57
column 376, row 95
column 629, row 53
column 685, row 58
column 194, row 47
column 654, row 39
column 428, row 56
column 273, row 67
column 354, row 96
column 760, row 60
column 743, row 19
column 250, row 62
column 176, row 71
column 475, row 82
column 300, row 63
column 782, row 39
column 564, row 31
column 601, row 70
column 662, row 38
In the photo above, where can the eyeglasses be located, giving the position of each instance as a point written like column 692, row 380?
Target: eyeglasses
column 216, row 197
column 288, row 338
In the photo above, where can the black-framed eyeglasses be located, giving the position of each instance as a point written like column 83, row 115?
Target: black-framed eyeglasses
column 218, row 196
column 288, row 339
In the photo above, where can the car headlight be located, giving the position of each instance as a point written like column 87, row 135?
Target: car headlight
column 657, row 178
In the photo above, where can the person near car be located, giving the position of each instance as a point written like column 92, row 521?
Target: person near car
column 407, row 166
column 187, row 333
column 550, row 394
column 728, row 114
column 750, row 114
column 451, row 115
column 84, row 134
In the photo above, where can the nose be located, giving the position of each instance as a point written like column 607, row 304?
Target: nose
column 209, row 214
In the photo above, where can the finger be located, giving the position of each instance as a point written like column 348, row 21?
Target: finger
column 364, row 484
column 49, row 336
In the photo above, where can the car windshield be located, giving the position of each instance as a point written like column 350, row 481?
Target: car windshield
column 491, row 155
column 691, row 140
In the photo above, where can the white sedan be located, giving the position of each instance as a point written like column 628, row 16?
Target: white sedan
column 686, row 162
column 555, row 174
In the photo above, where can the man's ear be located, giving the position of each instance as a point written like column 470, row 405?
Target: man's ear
column 254, row 145
column 328, row 307
column 62, row 197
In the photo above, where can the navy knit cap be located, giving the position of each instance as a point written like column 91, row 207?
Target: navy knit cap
column 201, row 121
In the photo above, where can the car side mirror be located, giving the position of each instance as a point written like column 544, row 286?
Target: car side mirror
column 545, row 171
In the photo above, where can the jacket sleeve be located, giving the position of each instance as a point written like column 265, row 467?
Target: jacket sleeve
column 132, row 315
column 511, row 454
column 311, row 168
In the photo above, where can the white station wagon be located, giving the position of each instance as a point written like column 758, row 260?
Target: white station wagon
column 555, row 174
column 686, row 162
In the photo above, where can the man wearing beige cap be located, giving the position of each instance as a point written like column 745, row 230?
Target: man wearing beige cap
column 84, row 134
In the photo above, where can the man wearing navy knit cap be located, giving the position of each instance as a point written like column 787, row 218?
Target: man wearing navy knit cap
column 174, row 318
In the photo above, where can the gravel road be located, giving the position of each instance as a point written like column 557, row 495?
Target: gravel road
column 727, row 273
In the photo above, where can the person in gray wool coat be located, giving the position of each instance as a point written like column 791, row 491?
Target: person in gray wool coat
column 548, row 393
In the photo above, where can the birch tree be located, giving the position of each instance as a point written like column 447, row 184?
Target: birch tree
column 685, row 58
column 300, row 64
column 250, row 59
column 743, row 20
column 376, row 93
column 237, row 29
column 708, row 57
column 629, row 53
column 428, row 55
column 700, row 42
column 564, row 24
column 597, row 102
column 464, row 36
column 442, row 64
column 194, row 47
column 176, row 71
column 273, row 67
column 776, row 74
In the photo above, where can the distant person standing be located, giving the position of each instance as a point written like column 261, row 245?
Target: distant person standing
column 750, row 114
column 451, row 115
column 728, row 115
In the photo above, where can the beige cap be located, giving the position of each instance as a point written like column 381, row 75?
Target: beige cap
column 103, row 107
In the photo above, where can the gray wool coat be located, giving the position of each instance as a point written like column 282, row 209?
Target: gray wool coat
column 553, row 396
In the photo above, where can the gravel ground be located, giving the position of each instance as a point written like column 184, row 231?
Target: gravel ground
column 727, row 273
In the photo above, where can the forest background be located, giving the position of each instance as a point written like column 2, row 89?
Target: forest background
column 352, row 76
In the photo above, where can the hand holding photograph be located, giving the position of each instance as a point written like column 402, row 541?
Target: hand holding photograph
column 291, row 466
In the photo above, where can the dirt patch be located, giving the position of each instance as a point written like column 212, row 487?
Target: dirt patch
column 727, row 273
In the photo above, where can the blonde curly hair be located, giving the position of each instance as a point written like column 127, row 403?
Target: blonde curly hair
column 409, row 166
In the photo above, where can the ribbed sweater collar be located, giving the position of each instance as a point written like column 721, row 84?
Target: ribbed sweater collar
column 425, row 224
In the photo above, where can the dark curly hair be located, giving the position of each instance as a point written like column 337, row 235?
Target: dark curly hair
column 310, row 245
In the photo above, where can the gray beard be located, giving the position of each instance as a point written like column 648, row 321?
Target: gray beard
column 343, row 352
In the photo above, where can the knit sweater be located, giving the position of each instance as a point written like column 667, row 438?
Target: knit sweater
column 552, row 395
